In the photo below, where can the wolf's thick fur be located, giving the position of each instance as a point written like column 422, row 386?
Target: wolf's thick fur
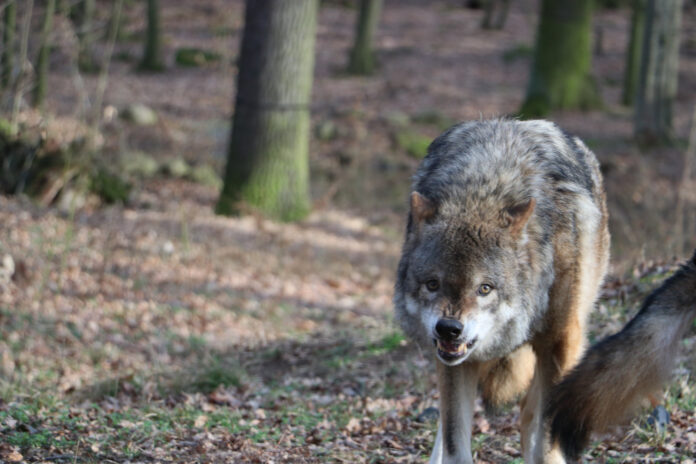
column 619, row 371
column 506, row 247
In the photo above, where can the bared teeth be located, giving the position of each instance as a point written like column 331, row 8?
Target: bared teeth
column 458, row 348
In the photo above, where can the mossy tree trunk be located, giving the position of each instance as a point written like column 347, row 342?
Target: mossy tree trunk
column 86, row 35
column 267, row 164
column 560, row 76
column 659, row 69
column 503, row 7
column 362, row 56
column 44, row 55
column 633, row 52
column 152, row 55
column 8, row 43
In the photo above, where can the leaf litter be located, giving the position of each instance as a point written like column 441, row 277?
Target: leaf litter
column 244, row 341
column 158, row 332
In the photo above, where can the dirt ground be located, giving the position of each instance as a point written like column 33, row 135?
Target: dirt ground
column 435, row 60
column 157, row 332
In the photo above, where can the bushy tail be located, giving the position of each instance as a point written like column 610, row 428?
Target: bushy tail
column 619, row 371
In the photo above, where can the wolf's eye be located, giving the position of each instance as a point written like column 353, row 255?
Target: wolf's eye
column 485, row 289
column 432, row 285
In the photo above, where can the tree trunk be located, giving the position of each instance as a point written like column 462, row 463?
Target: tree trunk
column 362, row 57
column 659, row 69
column 490, row 7
column 8, row 42
column 502, row 14
column 152, row 60
column 560, row 76
column 115, row 27
column 85, row 58
column 633, row 53
column 44, row 54
column 267, row 166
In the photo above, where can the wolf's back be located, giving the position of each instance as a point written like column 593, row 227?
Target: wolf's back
column 616, row 373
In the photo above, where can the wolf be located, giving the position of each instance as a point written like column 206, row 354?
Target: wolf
column 506, row 247
column 619, row 371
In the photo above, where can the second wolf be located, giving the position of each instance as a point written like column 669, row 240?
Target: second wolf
column 506, row 247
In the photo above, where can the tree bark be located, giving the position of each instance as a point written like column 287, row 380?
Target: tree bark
column 560, row 76
column 44, row 54
column 659, row 70
column 152, row 58
column 489, row 9
column 8, row 42
column 362, row 57
column 267, row 165
column 633, row 53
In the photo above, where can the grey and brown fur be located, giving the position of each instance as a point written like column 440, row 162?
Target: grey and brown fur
column 506, row 239
column 619, row 371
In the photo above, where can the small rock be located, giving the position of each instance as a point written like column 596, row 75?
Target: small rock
column 140, row 114
column 71, row 200
column 659, row 418
column 139, row 164
column 428, row 415
column 168, row 247
column 178, row 167
column 7, row 269
column 206, row 175
column 326, row 130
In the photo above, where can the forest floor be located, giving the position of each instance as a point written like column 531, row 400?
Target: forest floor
column 155, row 331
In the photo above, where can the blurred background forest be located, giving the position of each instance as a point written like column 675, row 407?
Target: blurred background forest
column 200, row 223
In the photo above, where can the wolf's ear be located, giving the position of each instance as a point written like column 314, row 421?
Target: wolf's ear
column 518, row 215
column 422, row 209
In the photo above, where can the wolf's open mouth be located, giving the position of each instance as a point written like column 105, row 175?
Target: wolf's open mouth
column 450, row 351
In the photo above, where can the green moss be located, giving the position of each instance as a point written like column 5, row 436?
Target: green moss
column 534, row 107
column 413, row 143
column 139, row 164
column 195, row 57
column 206, row 175
column 277, row 183
column 433, row 118
column 109, row 186
column 362, row 58
column 177, row 167
column 217, row 372
column 518, row 52
column 560, row 77
column 227, row 206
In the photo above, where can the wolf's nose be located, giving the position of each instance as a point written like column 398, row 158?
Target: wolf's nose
column 448, row 329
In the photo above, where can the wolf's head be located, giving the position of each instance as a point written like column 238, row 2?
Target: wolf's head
column 459, row 279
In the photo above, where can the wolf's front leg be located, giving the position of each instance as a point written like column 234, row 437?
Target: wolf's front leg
column 536, row 447
column 457, row 386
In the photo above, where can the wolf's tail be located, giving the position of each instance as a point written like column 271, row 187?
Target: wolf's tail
column 616, row 373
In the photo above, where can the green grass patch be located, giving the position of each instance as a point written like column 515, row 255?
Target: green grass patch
column 194, row 57
column 413, row 143
column 110, row 187
column 386, row 344
column 215, row 373
column 433, row 118
column 518, row 52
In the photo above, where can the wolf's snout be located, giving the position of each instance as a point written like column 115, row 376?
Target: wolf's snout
column 448, row 329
